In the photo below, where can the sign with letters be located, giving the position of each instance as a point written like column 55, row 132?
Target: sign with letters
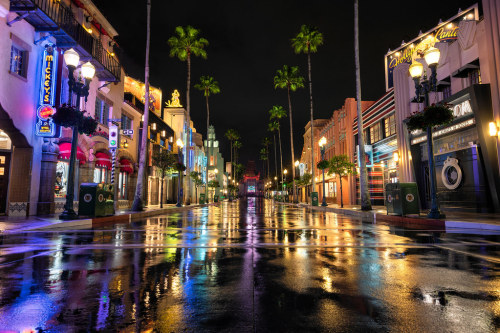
column 45, row 126
column 445, row 32
column 129, row 132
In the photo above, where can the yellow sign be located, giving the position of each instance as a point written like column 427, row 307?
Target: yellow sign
column 174, row 102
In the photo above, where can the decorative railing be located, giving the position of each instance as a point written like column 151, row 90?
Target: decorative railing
column 64, row 21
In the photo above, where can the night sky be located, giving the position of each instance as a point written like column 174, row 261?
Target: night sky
column 250, row 40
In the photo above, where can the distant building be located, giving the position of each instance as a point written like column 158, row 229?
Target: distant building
column 251, row 185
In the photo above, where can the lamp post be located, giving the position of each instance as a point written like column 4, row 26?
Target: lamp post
column 81, row 89
column 422, row 88
column 180, row 145
column 322, row 144
column 296, row 187
column 283, row 183
column 216, row 171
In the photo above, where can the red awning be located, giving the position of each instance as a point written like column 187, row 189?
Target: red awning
column 103, row 160
column 65, row 152
column 126, row 166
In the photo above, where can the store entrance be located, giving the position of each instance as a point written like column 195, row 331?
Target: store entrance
column 5, row 155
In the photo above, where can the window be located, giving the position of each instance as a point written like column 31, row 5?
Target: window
column 101, row 111
column 366, row 137
column 122, row 185
column 446, row 92
column 474, row 77
column 126, row 122
column 18, row 61
column 375, row 133
column 100, row 175
column 390, row 125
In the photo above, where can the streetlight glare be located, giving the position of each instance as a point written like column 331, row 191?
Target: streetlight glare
column 179, row 143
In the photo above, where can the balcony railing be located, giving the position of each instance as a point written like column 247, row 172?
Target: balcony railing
column 54, row 17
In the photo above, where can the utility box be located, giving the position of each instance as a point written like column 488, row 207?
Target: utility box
column 402, row 198
column 202, row 199
column 314, row 198
column 92, row 200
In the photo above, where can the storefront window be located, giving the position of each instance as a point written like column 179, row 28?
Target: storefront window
column 100, row 175
column 61, row 185
column 122, row 185
column 457, row 141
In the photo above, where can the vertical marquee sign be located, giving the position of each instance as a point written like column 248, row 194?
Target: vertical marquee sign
column 45, row 126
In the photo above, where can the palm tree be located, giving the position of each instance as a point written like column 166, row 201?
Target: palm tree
column 307, row 41
column 288, row 78
column 266, row 143
column 363, row 174
column 232, row 135
column 185, row 44
column 137, row 204
column 237, row 145
column 273, row 127
column 209, row 86
column 277, row 113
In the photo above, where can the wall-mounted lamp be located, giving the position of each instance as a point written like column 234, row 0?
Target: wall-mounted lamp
column 492, row 129
column 163, row 133
column 153, row 126
column 171, row 139
column 395, row 156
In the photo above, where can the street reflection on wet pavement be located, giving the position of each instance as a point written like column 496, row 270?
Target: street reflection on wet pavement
column 249, row 266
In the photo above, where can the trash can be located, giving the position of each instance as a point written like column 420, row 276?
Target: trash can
column 110, row 202
column 216, row 198
column 202, row 198
column 92, row 200
column 314, row 198
column 402, row 198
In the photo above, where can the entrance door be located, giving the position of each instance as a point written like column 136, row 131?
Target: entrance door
column 4, row 180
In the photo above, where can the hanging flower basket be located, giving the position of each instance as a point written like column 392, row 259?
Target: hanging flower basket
column 66, row 116
column 323, row 165
column 69, row 116
column 179, row 167
column 432, row 116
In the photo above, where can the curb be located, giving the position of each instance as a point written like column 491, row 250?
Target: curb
column 403, row 220
column 102, row 221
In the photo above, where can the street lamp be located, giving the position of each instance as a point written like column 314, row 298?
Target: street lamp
column 423, row 87
column 180, row 145
column 322, row 146
column 81, row 89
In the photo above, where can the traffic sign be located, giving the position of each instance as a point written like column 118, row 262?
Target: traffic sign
column 113, row 136
column 129, row 132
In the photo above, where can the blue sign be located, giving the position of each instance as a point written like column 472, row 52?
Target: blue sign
column 45, row 126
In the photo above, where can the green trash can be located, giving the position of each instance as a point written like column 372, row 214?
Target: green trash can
column 202, row 198
column 216, row 198
column 110, row 202
column 87, row 199
column 402, row 198
column 314, row 198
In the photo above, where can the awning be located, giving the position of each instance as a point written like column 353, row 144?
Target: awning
column 65, row 153
column 126, row 166
column 103, row 160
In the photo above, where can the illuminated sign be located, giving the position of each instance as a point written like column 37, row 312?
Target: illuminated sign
column 44, row 125
column 138, row 89
column 445, row 32
column 251, row 189
column 445, row 130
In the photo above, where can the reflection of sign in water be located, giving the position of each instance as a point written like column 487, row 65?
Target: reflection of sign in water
column 445, row 33
column 251, row 189
column 368, row 156
column 44, row 125
column 175, row 102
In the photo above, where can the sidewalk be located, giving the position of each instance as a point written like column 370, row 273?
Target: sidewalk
column 50, row 222
column 453, row 220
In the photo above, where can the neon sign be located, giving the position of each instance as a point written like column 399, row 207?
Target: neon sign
column 45, row 127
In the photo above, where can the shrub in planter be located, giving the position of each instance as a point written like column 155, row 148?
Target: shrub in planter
column 432, row 116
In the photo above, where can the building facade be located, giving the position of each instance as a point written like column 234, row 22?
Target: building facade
column 466, row 156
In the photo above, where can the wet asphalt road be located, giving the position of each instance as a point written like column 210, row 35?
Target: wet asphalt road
column 248, row 267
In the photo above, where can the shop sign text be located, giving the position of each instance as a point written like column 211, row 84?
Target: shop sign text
column 45, row 127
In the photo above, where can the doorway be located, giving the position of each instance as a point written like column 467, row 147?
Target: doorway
column 5, row 155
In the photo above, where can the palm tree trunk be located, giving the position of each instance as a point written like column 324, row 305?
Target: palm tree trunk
column 313, row 166
column 161, row 190
column 291, row 143
column 208, row 151
column 363, row 174
column 138, row 204
column 275, row 158
column 188, row 129
column 267, row 155
column 281, row 156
